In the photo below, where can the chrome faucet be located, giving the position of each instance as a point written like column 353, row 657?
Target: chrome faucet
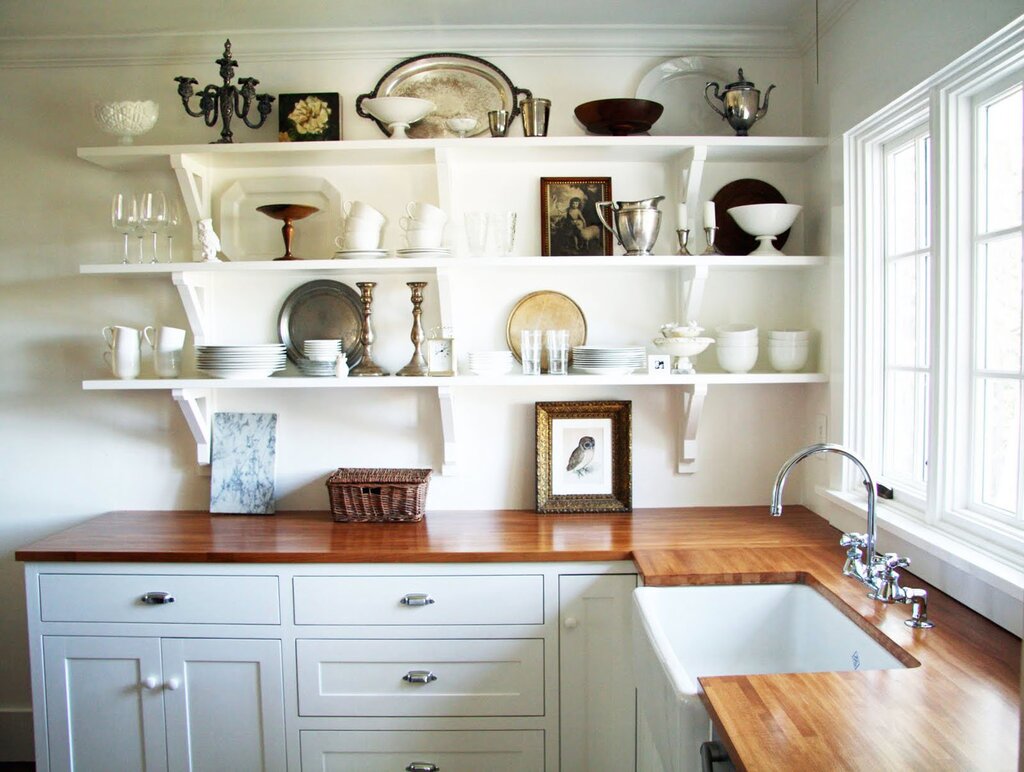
column 863, row 563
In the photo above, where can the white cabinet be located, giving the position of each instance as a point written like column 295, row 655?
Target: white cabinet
column 163, row 704
column 598, row 700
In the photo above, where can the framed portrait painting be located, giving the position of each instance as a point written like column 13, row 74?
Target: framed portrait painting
column 584, row 457
column 568, row 213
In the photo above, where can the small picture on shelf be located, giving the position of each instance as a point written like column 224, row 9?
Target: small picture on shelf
column 584, row 457
column 309, row 117
column 568, row 213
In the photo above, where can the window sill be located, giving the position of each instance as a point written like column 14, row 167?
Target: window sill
column 940, row 545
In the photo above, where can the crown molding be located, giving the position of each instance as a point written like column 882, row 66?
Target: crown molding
column 396, row 42
column 805, row 42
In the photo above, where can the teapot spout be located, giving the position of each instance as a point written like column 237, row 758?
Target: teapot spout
column 762, row 111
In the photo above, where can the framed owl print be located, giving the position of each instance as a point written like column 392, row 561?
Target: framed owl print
column 584, row 457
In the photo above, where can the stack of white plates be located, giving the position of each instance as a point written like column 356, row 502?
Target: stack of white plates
column 316, row 369
column 254, row 361
column 600, row 360
column 490, row 362
column 424, row 252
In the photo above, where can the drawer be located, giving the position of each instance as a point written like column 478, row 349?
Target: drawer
column 225, row 600
column 450, row 600
column 502, row 677
column 494, row 751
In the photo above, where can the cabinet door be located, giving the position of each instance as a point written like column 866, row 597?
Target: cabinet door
column 104, row 705
column 598, row 699
column 225, row 704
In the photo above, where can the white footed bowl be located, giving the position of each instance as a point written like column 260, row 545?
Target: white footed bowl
column 683, row 347
column 765, row 222
column 126, row 119
column 398, row 112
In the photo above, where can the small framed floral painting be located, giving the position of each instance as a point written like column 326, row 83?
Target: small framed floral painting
column 584, row 457
column 308, row 117
column 568, row 213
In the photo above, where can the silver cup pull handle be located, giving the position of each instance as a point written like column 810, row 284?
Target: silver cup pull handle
column 416, row 599
column 422, row 766
column 157, row 598
column 419, row 677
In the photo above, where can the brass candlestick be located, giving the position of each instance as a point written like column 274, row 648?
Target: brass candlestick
column 367, row 367
column 683, row 234
column 417, row 365
column 709, row 234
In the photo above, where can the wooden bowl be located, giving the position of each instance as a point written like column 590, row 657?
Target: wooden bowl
column 619, row 117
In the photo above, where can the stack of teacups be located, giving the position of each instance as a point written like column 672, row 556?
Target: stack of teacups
column 787, row 349
column 736, row 346
column 322, row 355
column 490, row 362
column 423, row 225
column 124, row 350
column 362, row 229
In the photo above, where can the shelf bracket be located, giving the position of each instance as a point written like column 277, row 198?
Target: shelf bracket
column 692, row 280
column 195, row 297
column 693, row 408
column 197, row 407
column 447, row 403
column 194, row 181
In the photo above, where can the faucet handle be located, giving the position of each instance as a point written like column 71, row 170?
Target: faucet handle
column 853, row 540
column 893, row 561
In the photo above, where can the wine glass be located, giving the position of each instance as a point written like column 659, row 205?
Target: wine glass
column 152, row 217
column 173, row 221
column 123, row 217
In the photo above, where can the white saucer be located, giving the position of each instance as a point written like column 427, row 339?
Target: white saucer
column 352, row 254
column 423, row 252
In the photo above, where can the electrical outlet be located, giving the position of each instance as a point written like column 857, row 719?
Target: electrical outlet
column 820, row 430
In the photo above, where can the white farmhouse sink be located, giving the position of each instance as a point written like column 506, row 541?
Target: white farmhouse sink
column 683, row 633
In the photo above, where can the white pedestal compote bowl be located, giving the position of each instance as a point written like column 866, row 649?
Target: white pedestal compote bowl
column 681, row 343
column 764, row 222
column 398, row 113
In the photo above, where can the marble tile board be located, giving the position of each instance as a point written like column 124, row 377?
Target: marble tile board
column 242, row 460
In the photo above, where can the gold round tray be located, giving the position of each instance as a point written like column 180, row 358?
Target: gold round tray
column 546, row 310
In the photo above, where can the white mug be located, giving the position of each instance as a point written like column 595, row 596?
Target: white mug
column 362, row 211
column 425, row 213
column 369, row 239
column 164, row 338
column 424, row 238
column 124, row 352
column 116, row 335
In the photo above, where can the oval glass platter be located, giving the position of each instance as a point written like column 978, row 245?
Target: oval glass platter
column 461, row 86
column 545, row 310
column 678, row 84
column 318, row 310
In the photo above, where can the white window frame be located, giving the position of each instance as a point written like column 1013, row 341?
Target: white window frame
column 946, row 104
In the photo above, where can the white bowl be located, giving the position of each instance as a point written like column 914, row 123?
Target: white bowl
column 787, row 359
column 398, row 112
column 789, row 336
column 765, row 222
column 734, row 333
column 125, row 119
column 736, row 359
column 683, row 347
column 743, row 343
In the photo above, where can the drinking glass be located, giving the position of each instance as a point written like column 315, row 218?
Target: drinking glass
column 124, row 217
column 153, row 216
column 476, row 232
column 173, row 221
column 529, row 350
column 558, row 352
column 501, row 227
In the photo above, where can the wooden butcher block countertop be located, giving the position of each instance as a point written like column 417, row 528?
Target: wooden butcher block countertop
column 957, row 709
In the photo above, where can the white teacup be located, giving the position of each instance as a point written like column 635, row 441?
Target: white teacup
column 424, row 238
column 425, row 213
column 167, row 344
column 116, row 335
column 361, row 239
column 362, row 211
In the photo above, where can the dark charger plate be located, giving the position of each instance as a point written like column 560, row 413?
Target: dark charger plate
column 322, row 309
column 731, row 239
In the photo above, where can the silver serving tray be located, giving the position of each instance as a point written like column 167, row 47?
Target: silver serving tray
column 318, row 310
column 461, row 86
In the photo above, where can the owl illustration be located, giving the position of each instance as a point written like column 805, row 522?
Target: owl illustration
column 580, row 458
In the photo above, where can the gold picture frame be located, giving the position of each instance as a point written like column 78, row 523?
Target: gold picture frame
column 569, row 224
column 584, row 457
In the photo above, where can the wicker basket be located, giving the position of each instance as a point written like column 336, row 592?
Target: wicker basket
column 378, row 495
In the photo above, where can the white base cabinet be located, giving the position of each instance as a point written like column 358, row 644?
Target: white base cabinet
column 332, row 667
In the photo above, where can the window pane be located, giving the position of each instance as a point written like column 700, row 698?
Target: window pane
column 1000, row 415
column 905, row 438
column 902, row 312
column 1000, row 301
column 901, row 209
column 1003, row 122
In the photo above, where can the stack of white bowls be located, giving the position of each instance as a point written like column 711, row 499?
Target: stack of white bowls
column 787, row 349
column 423, row 226
column 491, row 362
column 736, row 346
column 321, row 356
column 362, row 229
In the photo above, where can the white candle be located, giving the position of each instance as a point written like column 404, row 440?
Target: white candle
column 709, row 214
column 681, row 215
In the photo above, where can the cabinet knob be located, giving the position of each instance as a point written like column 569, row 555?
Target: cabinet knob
column 416, row 599
column 150, row 682
column 173, row 683
column 419, row 677
column 157, row 598
column 422, row 766
column 571, row 623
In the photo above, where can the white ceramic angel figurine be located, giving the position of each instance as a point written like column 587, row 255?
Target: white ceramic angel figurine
column 209, row 242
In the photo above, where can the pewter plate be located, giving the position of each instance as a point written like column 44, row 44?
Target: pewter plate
column 322, row 309
column 460, row 87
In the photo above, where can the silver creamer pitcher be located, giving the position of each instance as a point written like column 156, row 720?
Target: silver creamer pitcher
column 740, row 100
column 634, row 224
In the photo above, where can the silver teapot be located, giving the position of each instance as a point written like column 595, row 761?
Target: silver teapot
column 740, row 100
column 635, row 224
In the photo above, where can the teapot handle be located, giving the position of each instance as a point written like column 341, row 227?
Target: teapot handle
column 604, row 222
column 763, row 109
column 707, row 99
